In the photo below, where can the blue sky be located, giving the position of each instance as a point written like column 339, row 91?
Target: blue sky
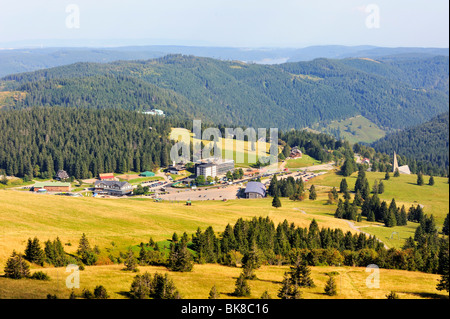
column 237, row 23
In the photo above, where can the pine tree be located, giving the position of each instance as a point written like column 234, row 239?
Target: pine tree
column 390, row 221
column 180, row 259
column 358, row 200
column 445, row 229
column 34, row 252
column 289, row 290
column 340, row 211
column 250, row 262
column 330, row 288
column 266, row 295
column 396, row 173
column 387, row 176
column 87, row 255
column 130, row 262
column 276, row 202
column 343, row 187
column 375, row 187
column 420, row 181
column 242, row 288
column 381, row 188
column 335, row 193
column 213, row 293
column 403, row 218
column 431, row 181
column 312, row 193
column 301, row 275
column 444, row 266
column 16, row 267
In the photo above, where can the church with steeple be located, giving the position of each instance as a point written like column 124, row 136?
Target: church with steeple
column 402, row 169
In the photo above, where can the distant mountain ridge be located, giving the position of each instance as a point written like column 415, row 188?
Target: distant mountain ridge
column 26, row 60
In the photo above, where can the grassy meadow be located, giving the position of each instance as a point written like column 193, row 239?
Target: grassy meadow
column 130, row 221
column 304, row 161
column 350, row 282
column 126, row 222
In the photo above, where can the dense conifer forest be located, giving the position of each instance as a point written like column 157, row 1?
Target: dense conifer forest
column 37, row 142
column 296, row 95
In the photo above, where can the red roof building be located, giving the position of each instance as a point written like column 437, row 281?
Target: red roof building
column 107, row 177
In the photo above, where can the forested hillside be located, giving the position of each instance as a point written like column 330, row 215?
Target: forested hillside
column 426, row 143
column 103, row 92
column 291, row 95
column 84, row 142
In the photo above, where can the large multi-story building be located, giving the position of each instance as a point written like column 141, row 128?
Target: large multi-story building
column 206, row 169
column 222, row 165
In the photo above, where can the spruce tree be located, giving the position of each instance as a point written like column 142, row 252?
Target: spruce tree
column 330, row 288
column 431, row 181
column 288, row 289
column 340, row 211
column 16, row 267
column 180, row 259
column 276, row 202
column 396, row 173
column 444, row 266
column 213, row 293
column 381, row 187
column 266, row 295
column 87, row 255
column 34, row 252
column 335, row 193
column 390, row 221
column 312, row 193
column 242, row 288
column 358, row 200
column 130, row 262
column 420, row 181
column 445, row 229
column 301, row 275
column 387, row 176
column 343, row 187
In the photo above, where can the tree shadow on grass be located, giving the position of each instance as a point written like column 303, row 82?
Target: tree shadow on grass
column 125, row 294
column 426, row 295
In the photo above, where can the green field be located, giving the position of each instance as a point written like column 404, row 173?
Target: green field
column 304, row 161
column 355, row 129
column 404, row 189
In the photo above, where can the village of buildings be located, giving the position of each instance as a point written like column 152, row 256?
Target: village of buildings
column 180, row 181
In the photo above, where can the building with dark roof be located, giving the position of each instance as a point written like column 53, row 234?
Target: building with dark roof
column 61, row 175
column 255, row 190
column 113, row 188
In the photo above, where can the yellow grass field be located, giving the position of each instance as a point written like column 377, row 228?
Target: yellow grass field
column 351, row 282
column 129, row 221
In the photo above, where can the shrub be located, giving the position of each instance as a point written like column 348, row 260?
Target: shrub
column 100, row 293
column 39, row 275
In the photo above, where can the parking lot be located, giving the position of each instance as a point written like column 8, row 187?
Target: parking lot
column 225, row 192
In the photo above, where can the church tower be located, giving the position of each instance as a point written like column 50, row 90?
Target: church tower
column 395, row 166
